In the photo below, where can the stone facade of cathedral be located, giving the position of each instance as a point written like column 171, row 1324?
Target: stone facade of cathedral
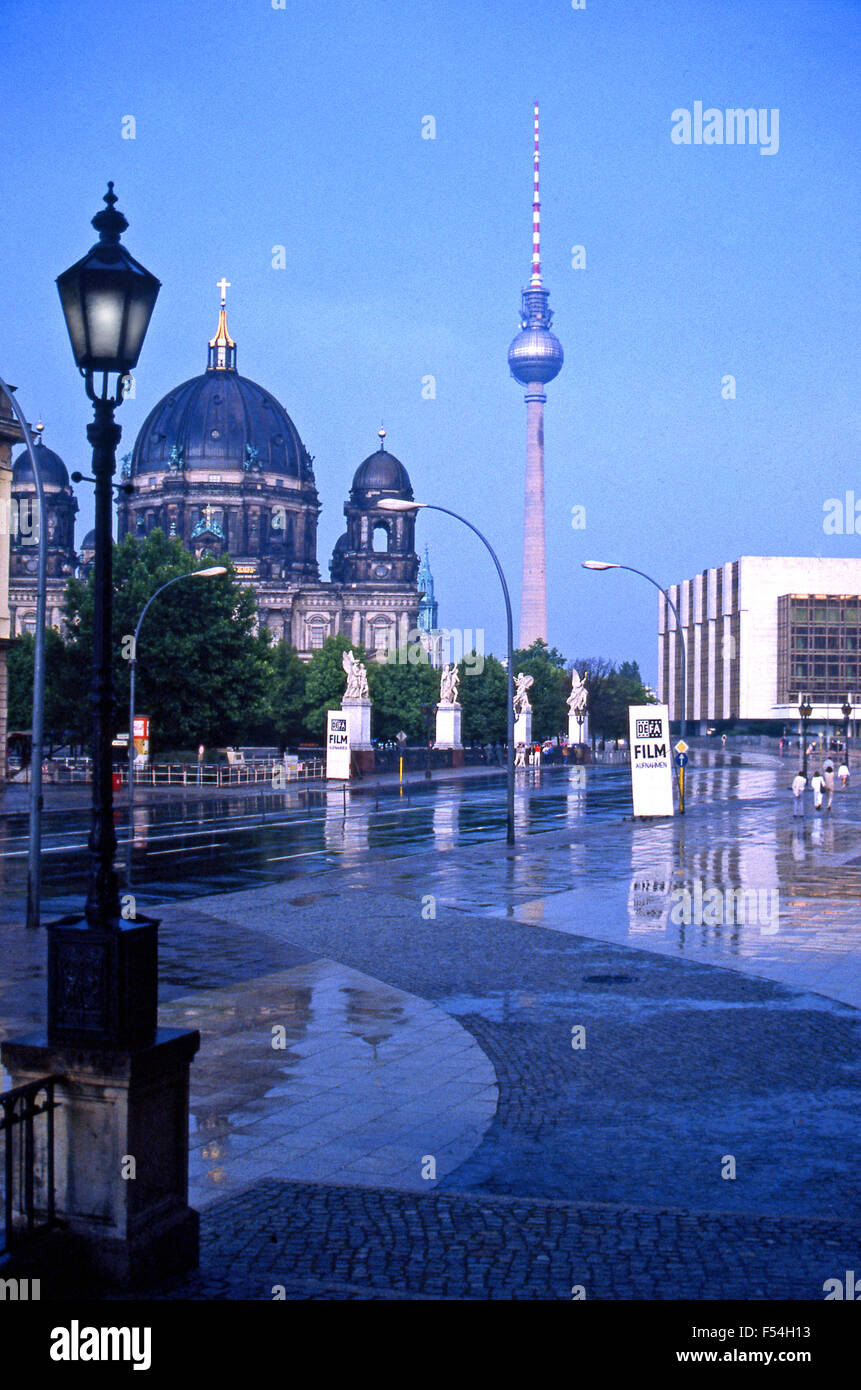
column 220, row 464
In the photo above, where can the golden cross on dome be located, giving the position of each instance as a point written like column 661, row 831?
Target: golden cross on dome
column 223, row 285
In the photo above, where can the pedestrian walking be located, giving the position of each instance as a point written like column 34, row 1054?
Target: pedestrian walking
column 799, row 782
column 828, row 779
column 817, row 782
column 843, row 774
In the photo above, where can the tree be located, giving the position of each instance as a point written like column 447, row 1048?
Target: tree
column 203, row 669
column 398, row 689
column 611, row 690
column 287, row 694
column 325, row 682
column 20, row 663
column 549, row 690
column 483, row 693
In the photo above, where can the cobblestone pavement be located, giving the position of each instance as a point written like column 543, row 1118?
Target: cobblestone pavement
column 673, row 1120
column 341, row 1242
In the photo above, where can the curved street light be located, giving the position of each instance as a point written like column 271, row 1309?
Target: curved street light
column 396, row 504
column 192, row 574
column 612, row 565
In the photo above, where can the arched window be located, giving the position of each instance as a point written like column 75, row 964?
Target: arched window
column 317, row 630
column 382, row 636
column 380, row 539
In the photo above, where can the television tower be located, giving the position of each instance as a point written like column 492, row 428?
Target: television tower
column 534, row 358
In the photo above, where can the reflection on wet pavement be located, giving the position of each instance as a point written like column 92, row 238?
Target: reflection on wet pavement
column 323, row 1074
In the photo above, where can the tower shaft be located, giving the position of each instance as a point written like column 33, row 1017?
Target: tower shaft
column 533, row 601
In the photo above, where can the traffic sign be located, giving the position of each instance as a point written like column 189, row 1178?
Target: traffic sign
column 681, row 746
column 681, row 760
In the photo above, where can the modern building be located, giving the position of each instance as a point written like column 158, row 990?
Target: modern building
column 760, row 633
column 534, row 358
column 219, row 463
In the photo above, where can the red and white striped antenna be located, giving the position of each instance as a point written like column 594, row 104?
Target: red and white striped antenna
column 535, row 282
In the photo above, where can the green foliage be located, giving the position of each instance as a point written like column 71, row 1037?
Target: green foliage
column 483, row 697
column 326, row 681
column 20, row 661
column 611, row 690
column 203, row 672
column 398, row 690
column 287, row 695
column 551, row 684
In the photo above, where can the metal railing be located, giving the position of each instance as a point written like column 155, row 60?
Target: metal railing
column 223, row 774
column 19, row 1109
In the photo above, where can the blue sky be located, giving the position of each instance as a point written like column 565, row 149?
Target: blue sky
column 405, row 257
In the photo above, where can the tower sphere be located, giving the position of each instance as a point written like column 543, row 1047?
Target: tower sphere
column 535, row 355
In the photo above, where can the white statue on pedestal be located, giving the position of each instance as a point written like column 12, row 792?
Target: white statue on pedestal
column 357, row 678
column 449, row 681
column 579, row 695
column 521, row 698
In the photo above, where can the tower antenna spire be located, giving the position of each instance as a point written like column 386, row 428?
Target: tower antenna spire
column 535, row 282
column 534, row 358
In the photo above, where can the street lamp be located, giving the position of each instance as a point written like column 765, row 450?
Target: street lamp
column 396, row 504
column 610, row 565
column 428, row 711
column 193, row 574
column 805, row 709
column 37, row 723
column 846, row 711
column 102, row 971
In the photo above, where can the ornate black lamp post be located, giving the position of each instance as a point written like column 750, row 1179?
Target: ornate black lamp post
column 121, row 1084
column 102, row 969
column 581, row 719
column 846, row 711
column 805, row 709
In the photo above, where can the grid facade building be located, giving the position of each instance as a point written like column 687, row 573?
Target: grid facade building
column 759, row 633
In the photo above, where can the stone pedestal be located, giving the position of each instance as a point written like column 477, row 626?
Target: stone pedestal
column 121, row 1156
column 448, row 722
column 523, row 728
column 578, row 733
column 358, row 715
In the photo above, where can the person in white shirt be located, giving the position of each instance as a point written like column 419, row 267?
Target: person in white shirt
column 828, row 778
column 817, row 782
column 799, row 782
column 843, row 774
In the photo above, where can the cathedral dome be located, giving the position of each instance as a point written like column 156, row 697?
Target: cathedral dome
column 220, row 420
column 52, row 469
column 382, row 472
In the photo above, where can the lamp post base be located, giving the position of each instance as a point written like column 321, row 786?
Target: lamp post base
column 102, row 982
column 121, row 1159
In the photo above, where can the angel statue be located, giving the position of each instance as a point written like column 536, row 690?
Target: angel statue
column 357, row 678
column 577, row 699
column 521, row 698
column 448, row 685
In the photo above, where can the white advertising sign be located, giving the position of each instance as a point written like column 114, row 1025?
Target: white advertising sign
column 651, row 760
column 337, row 745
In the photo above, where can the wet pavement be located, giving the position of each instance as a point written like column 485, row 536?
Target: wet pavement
column 464, row 1025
